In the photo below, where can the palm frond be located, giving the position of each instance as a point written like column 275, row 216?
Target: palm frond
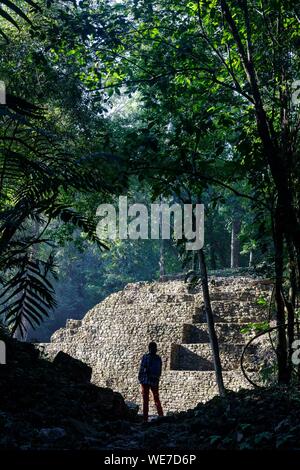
column 11, row 8
column 85, row 224
column 28, row 296
column 23, row 107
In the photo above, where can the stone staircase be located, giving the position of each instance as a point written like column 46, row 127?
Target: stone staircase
column 232, row 311
column 112, row 337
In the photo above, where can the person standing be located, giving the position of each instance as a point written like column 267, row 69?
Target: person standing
column 149, row 376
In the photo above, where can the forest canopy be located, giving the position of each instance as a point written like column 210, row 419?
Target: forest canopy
column 182, row 101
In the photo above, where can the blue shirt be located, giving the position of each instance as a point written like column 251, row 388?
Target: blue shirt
column 150, row 369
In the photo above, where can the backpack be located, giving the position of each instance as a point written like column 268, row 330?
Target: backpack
column 150, row 370
column 153, row 366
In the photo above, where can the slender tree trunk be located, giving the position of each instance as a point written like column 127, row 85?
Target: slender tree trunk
column 281, row 350
column 291, row 303
column 272, row 147
column 250, row 259
column 235, row 243
column 288, row 217
column 210, row 323
column 162, row 270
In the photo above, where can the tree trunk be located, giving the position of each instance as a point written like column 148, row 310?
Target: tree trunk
column 235, row 243
column 287, row 218
column 250, row 259
column 210, row 323
column 162, row 270
column 281, row 350
column 291, row 303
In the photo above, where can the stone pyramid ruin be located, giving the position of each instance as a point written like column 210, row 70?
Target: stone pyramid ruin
column 113, row 336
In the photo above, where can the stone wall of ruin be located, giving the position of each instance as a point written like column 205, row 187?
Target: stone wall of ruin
column 114, row 335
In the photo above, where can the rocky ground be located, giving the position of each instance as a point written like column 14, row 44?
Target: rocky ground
column 249, row 420
column 47, row 405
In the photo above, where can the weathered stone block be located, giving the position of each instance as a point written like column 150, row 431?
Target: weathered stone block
column 74, row 368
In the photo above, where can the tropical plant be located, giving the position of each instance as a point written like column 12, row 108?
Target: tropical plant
column 41, row 169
